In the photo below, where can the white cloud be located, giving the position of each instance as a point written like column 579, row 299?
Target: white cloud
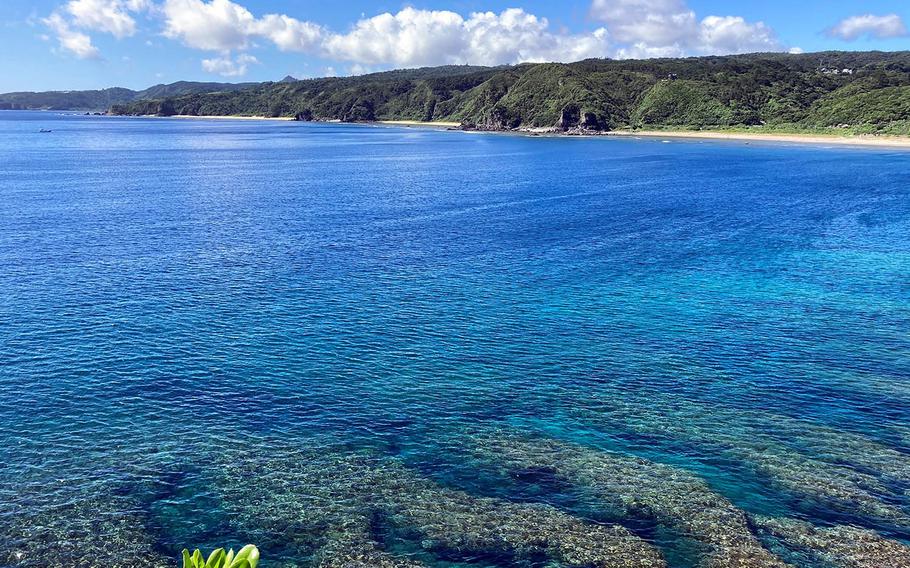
column 870, row 26
column 733, row 34
column 514, row 36
column 109, row 16
column 219, row 25
column 642, row 50
column 429, row 37
column 288, row 34
column 646, row 22
column 411, row 37
column 76, row 42
column 417, row 37
column 229, row 67
column 669, row 28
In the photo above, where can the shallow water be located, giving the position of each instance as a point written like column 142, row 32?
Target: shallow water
column 365, row 344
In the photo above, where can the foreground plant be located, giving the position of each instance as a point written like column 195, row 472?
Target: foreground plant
column 248, row 557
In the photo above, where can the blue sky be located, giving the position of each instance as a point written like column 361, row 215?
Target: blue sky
column 83, row 44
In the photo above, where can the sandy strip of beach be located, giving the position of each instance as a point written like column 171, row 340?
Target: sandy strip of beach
column 284, row 118
column 420, row 123
column 814, row 139
column 845, row 140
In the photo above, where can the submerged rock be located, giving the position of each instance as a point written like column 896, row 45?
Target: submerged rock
column 89, row 531
column 354, row 547
column 825, row 468
column 838, row 547
column 351, row 510
column 637, row 488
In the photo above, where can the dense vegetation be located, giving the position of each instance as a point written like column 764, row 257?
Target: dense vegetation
column 853, row 91
column 103, row 99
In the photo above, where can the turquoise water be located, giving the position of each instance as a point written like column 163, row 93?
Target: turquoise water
column 368, row 346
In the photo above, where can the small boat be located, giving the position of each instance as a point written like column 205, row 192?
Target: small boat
column 45, row 131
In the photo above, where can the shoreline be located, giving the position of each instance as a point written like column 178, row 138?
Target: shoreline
column 856, row 140
column 865, row 140
column 232, row 117
column 437, row 124
column 814, row 139
column 199, row 117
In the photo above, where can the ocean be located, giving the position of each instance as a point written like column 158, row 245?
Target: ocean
column 359, row 345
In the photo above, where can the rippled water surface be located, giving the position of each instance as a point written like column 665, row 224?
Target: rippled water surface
column 362, row 346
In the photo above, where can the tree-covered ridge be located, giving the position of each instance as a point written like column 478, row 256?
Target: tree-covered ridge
column 66, row 100
column 105, row 98
column 867, row 90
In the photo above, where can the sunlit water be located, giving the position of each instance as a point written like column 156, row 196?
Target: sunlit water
column 366, row 346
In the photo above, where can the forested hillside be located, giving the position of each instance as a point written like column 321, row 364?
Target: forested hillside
column 103, row 99
column 863, row 91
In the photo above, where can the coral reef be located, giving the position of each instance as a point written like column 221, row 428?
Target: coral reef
column 354, row 510
column 76, row 531
column 353, row 546
column 838, row 547
column 833, row 469
column 333, row 505
column 634, row 487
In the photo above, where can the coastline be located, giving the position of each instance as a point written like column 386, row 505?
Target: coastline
column 857, row 140
column 233, row 117
column 861, row 140
column 815, row 139
column 439, row 124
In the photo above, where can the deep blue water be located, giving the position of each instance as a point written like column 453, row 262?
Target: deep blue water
column 215, row 332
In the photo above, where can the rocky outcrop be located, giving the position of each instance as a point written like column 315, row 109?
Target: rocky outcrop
column 306, row 115
column 574, row 119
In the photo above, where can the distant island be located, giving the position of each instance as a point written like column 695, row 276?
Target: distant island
column 844, row 92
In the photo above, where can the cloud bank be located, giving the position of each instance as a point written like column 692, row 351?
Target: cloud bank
column 414, row 37
column 409, row 38
column 869, row 25
column 669, row 28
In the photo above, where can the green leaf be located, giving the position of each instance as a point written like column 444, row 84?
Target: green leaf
column 248, row 555
column 216, row 559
